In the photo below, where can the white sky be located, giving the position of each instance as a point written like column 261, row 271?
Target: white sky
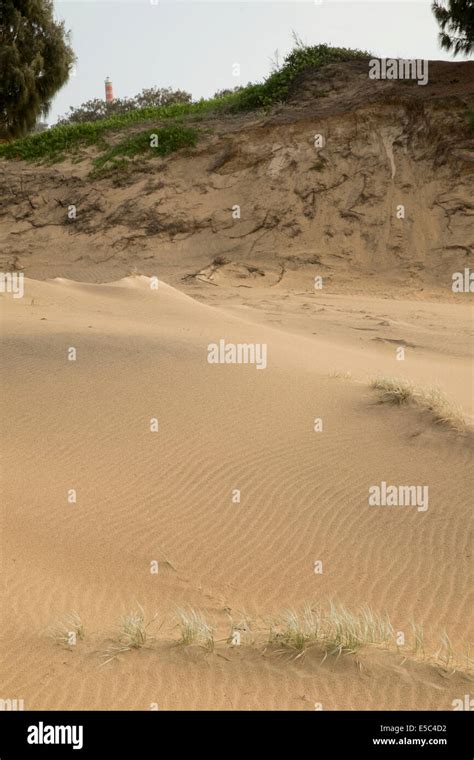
column 192, row 45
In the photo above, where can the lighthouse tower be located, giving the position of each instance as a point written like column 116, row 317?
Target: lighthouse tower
column 109, row 92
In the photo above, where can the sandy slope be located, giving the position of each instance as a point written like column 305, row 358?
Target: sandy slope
column 166, row 496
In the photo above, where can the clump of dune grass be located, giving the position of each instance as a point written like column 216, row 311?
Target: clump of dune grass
column 296, row 630
column 330, row 629
column 393, row 390
column 399, row 391
column 132, row 634
column 444, row 410
column 345, row 631
column 335, row 631
column 445, row 657
column 194, row 629
column 68, row 630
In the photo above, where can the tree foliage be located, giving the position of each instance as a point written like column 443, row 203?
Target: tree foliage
column 456, row 22
column 227, row 91
column 35, row 61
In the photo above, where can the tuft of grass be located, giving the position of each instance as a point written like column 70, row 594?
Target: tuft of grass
column 444, row 410
column 399, row 391
column 68, row 630
column 194, row 629
column 335, row 631
column 134, row 630
column 393, row 390
column 297, row 630
column 132, row 634
column 346, row 631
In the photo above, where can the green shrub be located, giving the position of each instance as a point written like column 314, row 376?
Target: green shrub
column 278, row 86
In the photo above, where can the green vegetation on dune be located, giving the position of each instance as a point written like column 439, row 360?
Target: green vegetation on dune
column 168, row 139
column 54, row 143
column 278, row 86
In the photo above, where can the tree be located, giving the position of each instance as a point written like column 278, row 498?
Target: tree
column 35, row 61
column 96, row 109
column 157, row 96
column 456, row 21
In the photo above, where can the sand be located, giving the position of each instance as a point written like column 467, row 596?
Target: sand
column 166, row 496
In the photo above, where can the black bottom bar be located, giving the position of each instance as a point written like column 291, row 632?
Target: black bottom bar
column 129, row 734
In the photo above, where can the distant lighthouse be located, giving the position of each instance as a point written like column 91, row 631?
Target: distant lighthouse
column 109, row 91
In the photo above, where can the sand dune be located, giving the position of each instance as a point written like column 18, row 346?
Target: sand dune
column 168, row 495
